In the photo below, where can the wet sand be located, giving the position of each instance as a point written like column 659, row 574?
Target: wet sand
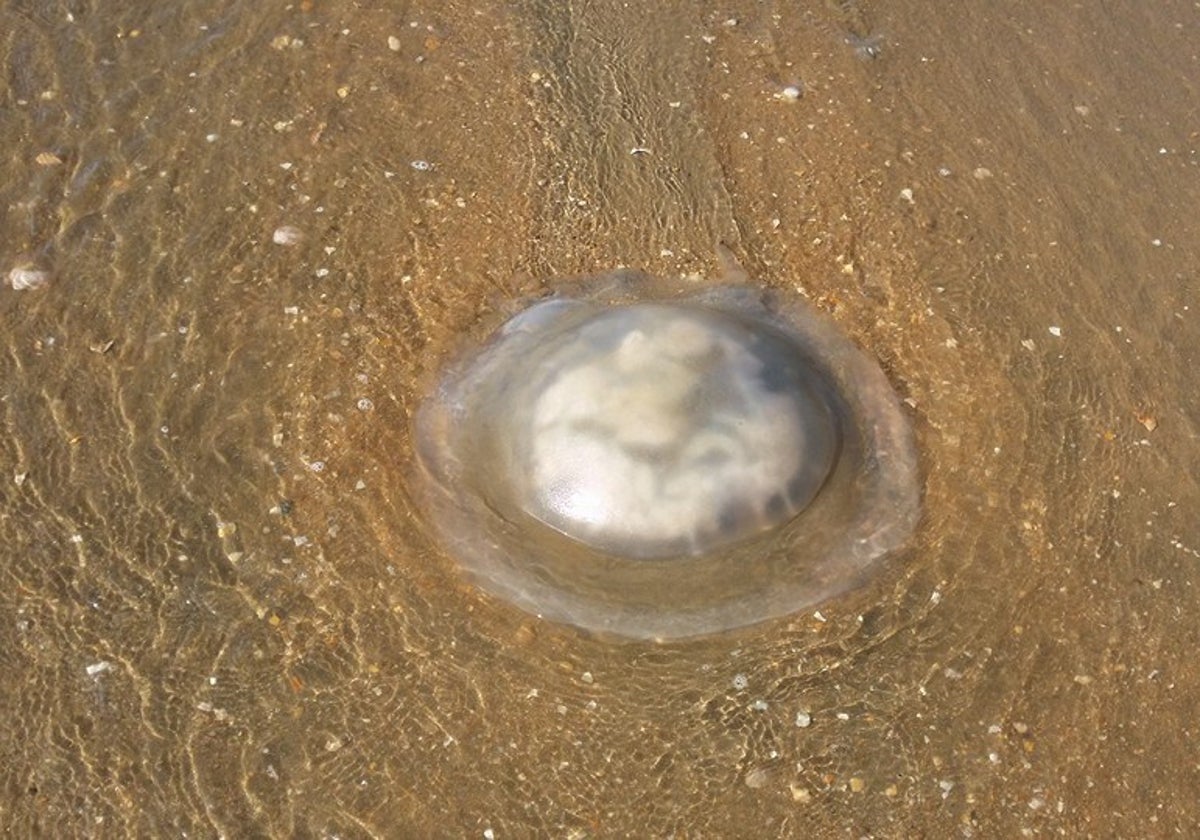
column 222, row 612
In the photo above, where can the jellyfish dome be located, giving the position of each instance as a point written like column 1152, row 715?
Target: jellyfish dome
column 666, row 465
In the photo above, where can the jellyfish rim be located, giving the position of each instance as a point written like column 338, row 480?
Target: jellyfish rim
column 669, row 598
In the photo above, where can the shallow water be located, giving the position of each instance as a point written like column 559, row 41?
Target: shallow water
column 221, row 614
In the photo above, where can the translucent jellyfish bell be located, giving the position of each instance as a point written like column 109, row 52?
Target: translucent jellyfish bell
column 667, row 467
column 654, row 430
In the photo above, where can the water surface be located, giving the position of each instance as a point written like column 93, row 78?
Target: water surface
column 221, row 614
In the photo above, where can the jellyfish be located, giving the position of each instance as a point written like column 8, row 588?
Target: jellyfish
column 647, row 461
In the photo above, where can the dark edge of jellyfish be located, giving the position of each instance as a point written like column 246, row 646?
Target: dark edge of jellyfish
column 664, row 611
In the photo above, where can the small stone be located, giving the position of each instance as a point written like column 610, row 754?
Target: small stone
column 803, row 720
column 421, row 165
column 907, row 195
column 791, row 92
column 393, row 43
column 1056, row 332
column 857, row 785
column 587, row 677
column 740, row 681
column 98, row 668
column 287, row 235
column 48, row 159
column 982, row 173
column 801, row 794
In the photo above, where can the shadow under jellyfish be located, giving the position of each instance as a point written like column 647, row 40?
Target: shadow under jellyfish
column 657, row 462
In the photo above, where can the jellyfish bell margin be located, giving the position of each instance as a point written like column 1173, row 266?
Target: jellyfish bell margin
column 657, row 461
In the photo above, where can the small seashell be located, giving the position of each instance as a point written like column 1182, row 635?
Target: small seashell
column 287, row 235
column 25, row 277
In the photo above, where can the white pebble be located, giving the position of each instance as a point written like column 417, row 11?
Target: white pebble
column 25, row 277
column 1056, row 331
column 421, row 165
column 791, row 92
column 287, row 235
column 98, row 668
column 803, row 720
column 740, row 682
column 393, row 43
